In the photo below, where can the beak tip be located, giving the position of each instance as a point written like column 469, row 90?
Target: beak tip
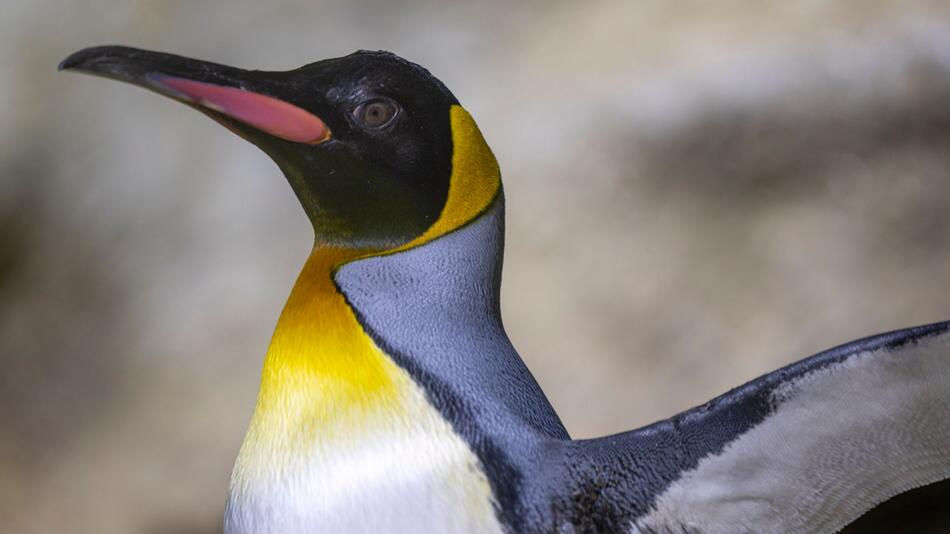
column 94, row 58
column 70, row 62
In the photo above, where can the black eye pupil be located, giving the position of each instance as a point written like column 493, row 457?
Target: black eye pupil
column 376, row 114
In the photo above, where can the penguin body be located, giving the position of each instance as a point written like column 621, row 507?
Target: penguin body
column 392, row 400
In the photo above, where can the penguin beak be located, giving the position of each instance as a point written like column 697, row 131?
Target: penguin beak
column 227, row 94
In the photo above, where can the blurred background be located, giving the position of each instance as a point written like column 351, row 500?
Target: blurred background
column 698, row 192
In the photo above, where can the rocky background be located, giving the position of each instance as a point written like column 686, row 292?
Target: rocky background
column 698, row 192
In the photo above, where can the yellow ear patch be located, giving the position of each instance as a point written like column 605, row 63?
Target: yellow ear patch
column 474, row 182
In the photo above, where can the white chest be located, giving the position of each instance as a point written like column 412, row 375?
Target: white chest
column 389, row 476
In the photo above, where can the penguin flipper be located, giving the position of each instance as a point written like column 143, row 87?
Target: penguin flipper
column 807, row 448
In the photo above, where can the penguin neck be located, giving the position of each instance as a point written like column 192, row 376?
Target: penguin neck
column 360, row 328
column 434, row 309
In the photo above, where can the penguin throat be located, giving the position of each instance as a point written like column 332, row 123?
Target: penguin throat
column 319, row 349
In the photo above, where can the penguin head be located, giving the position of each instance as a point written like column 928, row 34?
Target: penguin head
column 365, row 140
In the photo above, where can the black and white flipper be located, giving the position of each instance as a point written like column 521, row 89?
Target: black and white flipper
column 807, row 448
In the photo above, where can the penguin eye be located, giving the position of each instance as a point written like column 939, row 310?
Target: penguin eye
column 377, row 113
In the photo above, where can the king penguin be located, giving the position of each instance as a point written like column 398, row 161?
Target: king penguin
column 391, row 399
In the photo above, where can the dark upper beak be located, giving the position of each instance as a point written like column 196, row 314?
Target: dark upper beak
column 218, row 90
